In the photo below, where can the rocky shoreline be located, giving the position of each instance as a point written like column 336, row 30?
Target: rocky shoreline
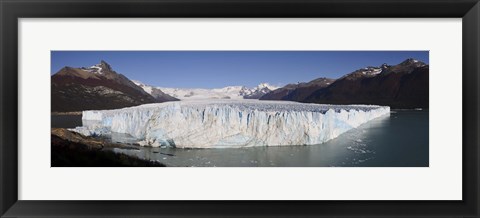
column 70, row 149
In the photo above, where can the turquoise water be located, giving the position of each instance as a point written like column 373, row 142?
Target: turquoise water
column 398, row 140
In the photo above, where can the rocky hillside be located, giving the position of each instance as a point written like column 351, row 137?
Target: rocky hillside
column 405, row 85
column 158, row 94
column 95, row 88
column 299, row 91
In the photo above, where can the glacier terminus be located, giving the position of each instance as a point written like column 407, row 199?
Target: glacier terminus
column 229, row 123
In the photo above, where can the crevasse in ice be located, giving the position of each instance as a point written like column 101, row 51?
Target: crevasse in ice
column 230, row 123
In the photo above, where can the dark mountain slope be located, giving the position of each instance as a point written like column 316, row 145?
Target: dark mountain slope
column 405, row 85
column 95, row 88
column 297, row 92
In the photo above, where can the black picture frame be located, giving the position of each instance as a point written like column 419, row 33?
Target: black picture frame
column 12, row 10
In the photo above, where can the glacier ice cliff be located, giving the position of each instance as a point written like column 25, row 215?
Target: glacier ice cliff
column 230, row 123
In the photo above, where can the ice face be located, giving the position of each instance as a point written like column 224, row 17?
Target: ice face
column 230, row 123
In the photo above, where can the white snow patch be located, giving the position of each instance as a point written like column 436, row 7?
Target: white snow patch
column 376, row 71
column 95, row 69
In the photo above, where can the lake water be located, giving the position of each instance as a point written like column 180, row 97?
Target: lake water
column 398, row 140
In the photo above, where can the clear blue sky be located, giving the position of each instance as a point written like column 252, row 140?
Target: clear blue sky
column 215, row 69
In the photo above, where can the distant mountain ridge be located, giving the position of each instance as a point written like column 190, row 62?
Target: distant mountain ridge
column 405, row 85
column 155, row 92
column 228, row 92
column 96, row 88
column 297, row 92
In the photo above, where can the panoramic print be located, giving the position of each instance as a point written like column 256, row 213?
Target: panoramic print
column 239, row 108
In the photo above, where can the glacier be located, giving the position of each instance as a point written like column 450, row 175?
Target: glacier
column 229, row 123
column 228, row 92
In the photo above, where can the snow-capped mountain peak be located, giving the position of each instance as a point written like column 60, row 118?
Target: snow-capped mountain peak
column 365, row 72
column 95, row 69
column 99, row 68
column 268, row 86
column 411, row 61
column 385, row 66
column 228, row 92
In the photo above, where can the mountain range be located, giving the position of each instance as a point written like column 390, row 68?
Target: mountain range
column 297, row 92
column 228, row 92
column 99, row 87
column 405, row 85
